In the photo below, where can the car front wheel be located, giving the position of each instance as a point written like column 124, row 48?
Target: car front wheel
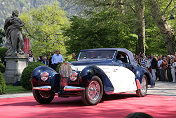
column 43, row 97
column 94, row 91
column 143, row 90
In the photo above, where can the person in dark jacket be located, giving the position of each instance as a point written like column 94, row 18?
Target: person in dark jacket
column 50, row 58
column 154, row 63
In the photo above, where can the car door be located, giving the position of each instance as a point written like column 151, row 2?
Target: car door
column 122, row 77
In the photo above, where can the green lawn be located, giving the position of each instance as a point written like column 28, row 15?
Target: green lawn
column 15, row 89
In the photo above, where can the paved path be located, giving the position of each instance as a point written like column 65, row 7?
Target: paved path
column 161, row 88
column 15, row 95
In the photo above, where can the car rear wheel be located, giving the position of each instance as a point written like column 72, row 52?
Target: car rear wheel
column 143, row 90
column 94, row 91
column 43, row 97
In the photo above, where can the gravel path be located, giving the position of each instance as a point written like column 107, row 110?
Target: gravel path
column 163, row 88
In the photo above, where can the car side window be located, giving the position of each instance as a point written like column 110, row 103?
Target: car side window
column 122, row 58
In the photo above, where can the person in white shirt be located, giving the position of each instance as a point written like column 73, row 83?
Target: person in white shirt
column 30, row 56
column 173, row 69
column 56, row 59
column 143, row 60
column 148, row 62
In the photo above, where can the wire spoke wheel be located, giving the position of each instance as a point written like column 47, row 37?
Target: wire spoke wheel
column 93, row 92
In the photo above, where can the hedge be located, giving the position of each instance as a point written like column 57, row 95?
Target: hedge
column 2, row 68
column 2, row 84
column 3, row 51
column 26, row 75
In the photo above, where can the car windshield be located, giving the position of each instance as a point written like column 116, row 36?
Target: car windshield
column 96, row 55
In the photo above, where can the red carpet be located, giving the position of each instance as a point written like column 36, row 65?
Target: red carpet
column 116, row 106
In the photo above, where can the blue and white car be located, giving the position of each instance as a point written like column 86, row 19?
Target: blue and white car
column 96, row 72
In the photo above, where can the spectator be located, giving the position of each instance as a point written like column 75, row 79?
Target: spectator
column 42, row 57
column 148, row 63
column 73, row 56
column 138, row 115
column 143, row 60
column 56, row 59
column 50, row 58
column 45, row 61
column 138, row 60
column 30, row 56
column 154, row 63
column 169, row 76
column 39, row 59
column 164, row 68
column 173, row 69
column 160, row 61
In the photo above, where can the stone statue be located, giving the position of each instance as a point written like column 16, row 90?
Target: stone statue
column 13, row 30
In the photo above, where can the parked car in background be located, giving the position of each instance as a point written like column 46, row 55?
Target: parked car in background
column 96, row 72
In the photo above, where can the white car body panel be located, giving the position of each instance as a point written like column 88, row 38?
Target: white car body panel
column 122, row 78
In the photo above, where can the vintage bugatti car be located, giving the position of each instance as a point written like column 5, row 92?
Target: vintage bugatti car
column 96, row 72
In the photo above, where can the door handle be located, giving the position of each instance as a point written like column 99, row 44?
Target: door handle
column 115, row 70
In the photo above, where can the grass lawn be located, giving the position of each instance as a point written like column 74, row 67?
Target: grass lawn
column 15, row 89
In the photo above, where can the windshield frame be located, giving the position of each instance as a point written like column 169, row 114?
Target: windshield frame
column 115, row 52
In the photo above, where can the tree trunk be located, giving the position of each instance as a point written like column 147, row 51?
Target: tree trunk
column 122, row 6
column 165, row 29
column 140, row 8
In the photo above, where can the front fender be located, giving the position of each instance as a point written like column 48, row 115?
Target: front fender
column 90, row 71
column 36, row 80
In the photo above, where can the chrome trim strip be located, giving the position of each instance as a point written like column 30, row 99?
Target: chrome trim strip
column 73, row 88
column 44, row 88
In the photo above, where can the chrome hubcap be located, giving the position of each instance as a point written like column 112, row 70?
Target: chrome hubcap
column 94, row 90
column 143, row 85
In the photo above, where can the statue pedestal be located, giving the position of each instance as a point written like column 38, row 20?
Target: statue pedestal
column 14, row 67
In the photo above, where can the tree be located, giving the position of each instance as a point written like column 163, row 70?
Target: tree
column 123, row 6
column 132, row 13
column 165, row 29
column 101, row 29
column 139, row 12
column 45, row 26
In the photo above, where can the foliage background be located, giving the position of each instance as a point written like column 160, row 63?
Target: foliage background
column 44, row 26
column 102, row 24
column 102, row 29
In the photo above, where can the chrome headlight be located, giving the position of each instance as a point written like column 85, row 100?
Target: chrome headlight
column 74, row 76
column 44, row 76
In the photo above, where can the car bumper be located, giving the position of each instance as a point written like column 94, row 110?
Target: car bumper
column 66, row 88
column 44, row 88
